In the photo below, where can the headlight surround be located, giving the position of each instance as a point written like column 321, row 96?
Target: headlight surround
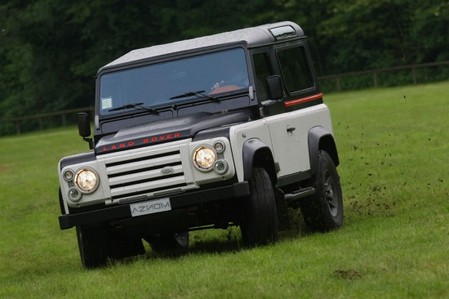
column 87, row 180
column 204, row 158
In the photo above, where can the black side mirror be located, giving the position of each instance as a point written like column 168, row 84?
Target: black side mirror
column 275, row 87
column 83, row 121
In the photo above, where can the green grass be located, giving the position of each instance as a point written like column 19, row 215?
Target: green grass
column 393, row 146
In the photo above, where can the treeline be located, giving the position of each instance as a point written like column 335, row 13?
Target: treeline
column 50, row 49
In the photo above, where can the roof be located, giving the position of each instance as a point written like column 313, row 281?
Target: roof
column 252, row 37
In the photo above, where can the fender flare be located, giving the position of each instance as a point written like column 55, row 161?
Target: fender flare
column 258, row 154
column 320, row 139
column 61, row 203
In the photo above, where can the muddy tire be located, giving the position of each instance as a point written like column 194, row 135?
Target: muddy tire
column 99, row 244
column 260, row 223
column 324, row 210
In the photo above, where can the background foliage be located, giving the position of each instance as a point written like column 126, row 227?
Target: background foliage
column 50, row 49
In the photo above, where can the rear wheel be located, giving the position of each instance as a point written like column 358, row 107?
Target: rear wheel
column 324, row 210
column 100, row 243
column 260, row 223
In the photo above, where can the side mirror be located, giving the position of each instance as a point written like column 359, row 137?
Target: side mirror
column 275, row 87
column 83, row 121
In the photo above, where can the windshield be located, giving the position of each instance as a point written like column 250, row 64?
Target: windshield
column 172, row 81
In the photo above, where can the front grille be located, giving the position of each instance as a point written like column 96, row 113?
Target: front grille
column 136, row 175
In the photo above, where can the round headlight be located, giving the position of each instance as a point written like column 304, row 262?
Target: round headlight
column 86, row 180
column 204, row 158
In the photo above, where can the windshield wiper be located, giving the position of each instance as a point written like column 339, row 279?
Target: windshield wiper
column 198, row 93
column 137, row 106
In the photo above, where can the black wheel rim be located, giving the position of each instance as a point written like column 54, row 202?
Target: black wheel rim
column 331, row 194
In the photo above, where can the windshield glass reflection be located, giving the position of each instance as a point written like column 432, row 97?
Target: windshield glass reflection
column 161, row 83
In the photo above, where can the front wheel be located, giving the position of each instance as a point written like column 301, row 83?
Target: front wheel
column 260, row 223
column 324, row 210
column 100, row 243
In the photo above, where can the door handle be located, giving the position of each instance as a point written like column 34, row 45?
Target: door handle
column 290, row 130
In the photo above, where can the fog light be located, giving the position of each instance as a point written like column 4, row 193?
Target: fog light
column 74, row 194
column 221, row 167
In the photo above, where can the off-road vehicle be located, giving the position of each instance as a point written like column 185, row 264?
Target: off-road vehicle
column 221, row 130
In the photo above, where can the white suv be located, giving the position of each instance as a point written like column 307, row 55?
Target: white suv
column 227, row 129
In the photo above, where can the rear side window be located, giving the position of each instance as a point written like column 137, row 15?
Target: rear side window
column 295, row 69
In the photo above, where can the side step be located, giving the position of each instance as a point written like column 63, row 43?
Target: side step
column 293, row 199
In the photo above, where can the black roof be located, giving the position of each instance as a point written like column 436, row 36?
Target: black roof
column 252, row 37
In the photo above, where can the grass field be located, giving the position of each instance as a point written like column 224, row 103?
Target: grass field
column 393, row 146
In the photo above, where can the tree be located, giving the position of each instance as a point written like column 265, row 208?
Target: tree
column 430, row 31
column 50, row 50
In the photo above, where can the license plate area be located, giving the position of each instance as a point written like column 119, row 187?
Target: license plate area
column 150, row 207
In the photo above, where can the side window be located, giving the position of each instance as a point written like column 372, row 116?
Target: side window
column 262, row 70
column 295, row 68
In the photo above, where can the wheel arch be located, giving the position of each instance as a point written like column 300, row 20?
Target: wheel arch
column 257, row 154
column 320, row 139
column 61, row 202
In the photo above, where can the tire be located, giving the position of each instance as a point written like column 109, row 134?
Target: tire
column 260, row 223
column 99, row 244
column 173, row 244
column 324, row 210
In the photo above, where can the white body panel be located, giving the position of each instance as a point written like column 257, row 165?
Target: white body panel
column 286, row 134
column 289, row 134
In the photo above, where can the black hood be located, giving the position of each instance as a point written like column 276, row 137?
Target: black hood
column 168, row 130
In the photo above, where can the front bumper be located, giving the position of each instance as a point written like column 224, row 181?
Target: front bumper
column 179, row 201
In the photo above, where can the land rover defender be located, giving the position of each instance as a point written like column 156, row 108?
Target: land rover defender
column 221, row 130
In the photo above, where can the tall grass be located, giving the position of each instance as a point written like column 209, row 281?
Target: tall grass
column 393, row 146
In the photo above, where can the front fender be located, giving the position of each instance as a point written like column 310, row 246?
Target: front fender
column 258, row 154
column 61, row 202
column 75, row 159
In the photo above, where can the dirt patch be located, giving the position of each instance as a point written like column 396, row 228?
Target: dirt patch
column 348, row 274
column 4, row 168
